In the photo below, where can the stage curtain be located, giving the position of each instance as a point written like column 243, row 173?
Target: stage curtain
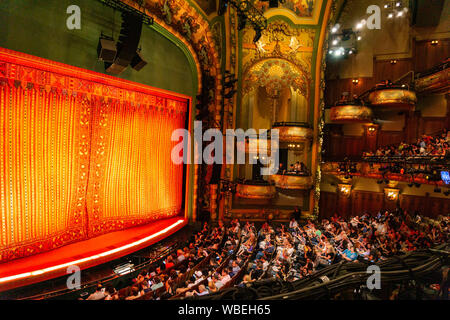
column 132, row 178
column 81, row 154
column 43, row 183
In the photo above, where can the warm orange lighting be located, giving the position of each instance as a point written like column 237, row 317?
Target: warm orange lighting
column 355, row 81
column 81, row 154
column 345, row 189
column 94, row 257
column 391, row 194
column 434, row 42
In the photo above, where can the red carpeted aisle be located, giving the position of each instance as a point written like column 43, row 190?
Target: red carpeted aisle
column 85, row 254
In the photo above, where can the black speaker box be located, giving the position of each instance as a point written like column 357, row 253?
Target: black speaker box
column 106, row 50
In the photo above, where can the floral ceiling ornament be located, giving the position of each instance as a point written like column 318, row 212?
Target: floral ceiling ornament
column 275, row 75
column 280, row 40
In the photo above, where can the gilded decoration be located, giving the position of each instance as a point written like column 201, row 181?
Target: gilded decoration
column 281, row 58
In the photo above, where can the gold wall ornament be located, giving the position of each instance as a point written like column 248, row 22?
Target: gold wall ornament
column 345, row 189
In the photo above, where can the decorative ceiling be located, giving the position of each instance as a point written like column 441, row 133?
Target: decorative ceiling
column 302, row 8
column 275, row 75
column 291, row 47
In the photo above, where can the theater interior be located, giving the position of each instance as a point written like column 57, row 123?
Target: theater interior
column 199, row 150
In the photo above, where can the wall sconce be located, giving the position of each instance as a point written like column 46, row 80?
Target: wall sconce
column 391, row 194
column 434, row 42
column 355, row 81
column 345, row 189
column 393, row 61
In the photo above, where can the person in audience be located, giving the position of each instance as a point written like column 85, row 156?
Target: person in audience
column 99, row 293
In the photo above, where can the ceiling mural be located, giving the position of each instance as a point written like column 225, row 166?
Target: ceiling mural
column 302, row 8
column 284, row 43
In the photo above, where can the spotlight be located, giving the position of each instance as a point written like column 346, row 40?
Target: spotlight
column 335, row 28
column 390, row 15
column 398, row 4
column 257, row 35
column 434, row 42
column 417, row 185
column 410, row 185
column 400, row 14
column 437, row 190
column 359, row 38
column 335, row 42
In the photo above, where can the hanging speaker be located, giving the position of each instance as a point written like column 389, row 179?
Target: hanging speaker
column 130, row 34
column 106, row 50
column 138, row 62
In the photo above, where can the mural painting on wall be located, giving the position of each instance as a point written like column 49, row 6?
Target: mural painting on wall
column 302, row 8
column 283, row 52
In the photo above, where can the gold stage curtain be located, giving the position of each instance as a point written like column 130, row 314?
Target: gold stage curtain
column 41, row 171
column 132, row 178
column 81, row 154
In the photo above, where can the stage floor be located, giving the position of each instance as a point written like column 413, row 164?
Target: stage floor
column 85, row 254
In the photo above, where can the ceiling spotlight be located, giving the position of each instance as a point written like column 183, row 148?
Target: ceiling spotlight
column 350, row 52
column 390, row 15
column 335, row 42
column 359, row 38
column 434, row 42
column 386, row 6
column 400, row 14
column 330, row 52
column 335, row 28
column 398, row 4
column 359, row 25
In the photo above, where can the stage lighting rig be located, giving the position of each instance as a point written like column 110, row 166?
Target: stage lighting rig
column 247, row 13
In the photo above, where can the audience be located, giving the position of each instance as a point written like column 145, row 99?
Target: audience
column 438, row 146
column 220, row 257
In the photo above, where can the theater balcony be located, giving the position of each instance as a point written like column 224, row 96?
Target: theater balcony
column 390, row 169
column 292, row 181
column 293, row 132
column 435, row 80
column 351, row 111
column 392, row 97
column 256, row 189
